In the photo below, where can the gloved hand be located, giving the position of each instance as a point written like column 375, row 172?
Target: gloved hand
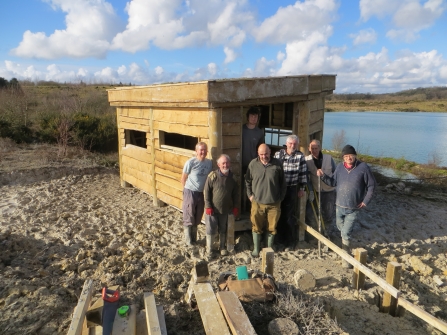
column 235, row 212
column 311, row 197
column 209, row 211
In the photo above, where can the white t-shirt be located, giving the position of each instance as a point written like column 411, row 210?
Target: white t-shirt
column 197, row 173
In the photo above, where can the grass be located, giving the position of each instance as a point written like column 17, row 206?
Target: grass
column 439, row 106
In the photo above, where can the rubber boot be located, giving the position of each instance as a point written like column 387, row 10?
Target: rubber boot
column 187, row 233
column 270, row 240
column 256, row 244
column 209, row 245
column 345, row 247
column 193, row 234
column 222, row 240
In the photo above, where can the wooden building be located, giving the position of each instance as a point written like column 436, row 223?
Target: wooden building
column 159, row 125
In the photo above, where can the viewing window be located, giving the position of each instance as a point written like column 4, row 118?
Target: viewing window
column 135, row 137
column 177, row 142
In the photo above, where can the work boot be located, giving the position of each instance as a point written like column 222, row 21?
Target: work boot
column 209, row 244
column 193, row 234
column 187, row 232
column 222, row 240
column 345, row 247
column 256, row 244
column 270, row 240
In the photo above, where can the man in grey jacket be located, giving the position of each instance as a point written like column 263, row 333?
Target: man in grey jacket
column 355, row 185
column 266, row 188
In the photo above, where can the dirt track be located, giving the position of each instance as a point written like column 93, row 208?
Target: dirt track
column 63, row 224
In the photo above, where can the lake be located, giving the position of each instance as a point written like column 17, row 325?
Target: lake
column 414, row 136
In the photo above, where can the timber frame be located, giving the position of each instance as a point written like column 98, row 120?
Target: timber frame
column 174, row 117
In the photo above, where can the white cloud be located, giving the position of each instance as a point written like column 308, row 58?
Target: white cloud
column 364, row 36
column 296, row 22
column 230, row 55
column 443, row 72
column 212, row 69
column 91, row 24
column 409, row 17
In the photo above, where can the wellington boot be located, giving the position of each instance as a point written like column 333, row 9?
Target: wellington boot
column 209, row 244
column 222, row 240
column 270, row 240
column 187, row 233
column 193, row 234
column 256, row 244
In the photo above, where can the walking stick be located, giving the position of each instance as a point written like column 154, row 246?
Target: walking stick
column 319, row 217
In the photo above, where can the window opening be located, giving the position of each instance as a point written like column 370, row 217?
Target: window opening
column 135, row 137
column 175, row 140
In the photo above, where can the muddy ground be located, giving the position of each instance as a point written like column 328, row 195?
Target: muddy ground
column 63, row 220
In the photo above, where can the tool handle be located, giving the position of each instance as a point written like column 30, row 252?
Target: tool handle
column 110, row 295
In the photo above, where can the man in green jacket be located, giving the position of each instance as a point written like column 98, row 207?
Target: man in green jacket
column 221, row 193
column 266, row 188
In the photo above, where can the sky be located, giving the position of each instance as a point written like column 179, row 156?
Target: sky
column 375, row 46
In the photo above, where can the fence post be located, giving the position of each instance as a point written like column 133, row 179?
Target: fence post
column 393, row 272
column 358, row 278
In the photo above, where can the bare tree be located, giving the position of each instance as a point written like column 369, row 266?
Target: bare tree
column 339, row 140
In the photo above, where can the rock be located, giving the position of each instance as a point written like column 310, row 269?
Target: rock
column 304, row 280
column 419, row 267
column 283, row 326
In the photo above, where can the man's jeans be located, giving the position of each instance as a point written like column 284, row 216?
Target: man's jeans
column 345, row 218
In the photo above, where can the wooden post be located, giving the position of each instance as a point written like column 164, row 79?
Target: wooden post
column 358, row 278
column 268, row 257
column 300, row 127
column 393, row 271
column 215, row 134
column 154, row 184
column 230, row 233
column 125, row 325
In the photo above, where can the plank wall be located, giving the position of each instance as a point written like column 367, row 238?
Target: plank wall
column 138, row 165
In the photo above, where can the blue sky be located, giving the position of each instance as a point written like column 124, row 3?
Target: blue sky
column 371, row 45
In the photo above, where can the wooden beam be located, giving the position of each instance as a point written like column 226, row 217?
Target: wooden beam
column 215, row 134
column 268, row 258
column 126, row 325
column 153, row 325
column 81, row 308
column 358, row 278
column 161, row 320
column 233, row 311
column 389, row 303
column 210, row 312
column 152, row 159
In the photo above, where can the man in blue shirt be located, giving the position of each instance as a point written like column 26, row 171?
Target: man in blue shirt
column 194, row 176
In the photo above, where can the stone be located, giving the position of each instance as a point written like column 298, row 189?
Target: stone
column 419, row 267
column 304, row 280
column 283, row 326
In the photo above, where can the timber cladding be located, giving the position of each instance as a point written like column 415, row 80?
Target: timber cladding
column 159, row 125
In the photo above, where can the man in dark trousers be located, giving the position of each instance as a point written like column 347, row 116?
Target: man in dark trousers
column 295, row 171
column 355, row 185
column 266, row 188
column 221, row 194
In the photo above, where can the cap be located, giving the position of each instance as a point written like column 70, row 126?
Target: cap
column 348, row 150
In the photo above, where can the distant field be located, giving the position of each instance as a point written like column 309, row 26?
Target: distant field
column 398, row 106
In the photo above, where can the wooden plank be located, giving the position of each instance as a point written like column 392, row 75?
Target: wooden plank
column 389, row 303
column 169, row 190
column 187, row 117
column 215, row 133
column 161, row 319
column 231, row 142
column 141, row 323
column 169, row 199
column 134, row 163
column 174, row 183
column 167, row 169
column 358, row 278
column 152, row 159
column 230, row 233
column 81, row 308
column 259, row 101
column 315, row 83
column 193, row 104
column 427, row 317
column 234, row 313
column 232, row 114
column 137, row 183
column 143, row 176
column 268, row 259
column 195, row 131
column 133, row 126
column 136, row 112
column 231, row 128
column 168, row 173
column 210, row 312
column 166, row 157
column 235, row 155
column 300, row 126
column 316, row 116
column 316, row 126
column 153, row 325
column 126, row 325
column 134, row 120
column 137, row 153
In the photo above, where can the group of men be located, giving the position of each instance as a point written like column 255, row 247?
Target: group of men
column 273, row 186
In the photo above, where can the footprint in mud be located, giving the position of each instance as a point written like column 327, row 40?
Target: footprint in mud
column 8, row 205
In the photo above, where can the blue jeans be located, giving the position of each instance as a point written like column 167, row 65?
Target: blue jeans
column 345, row 218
